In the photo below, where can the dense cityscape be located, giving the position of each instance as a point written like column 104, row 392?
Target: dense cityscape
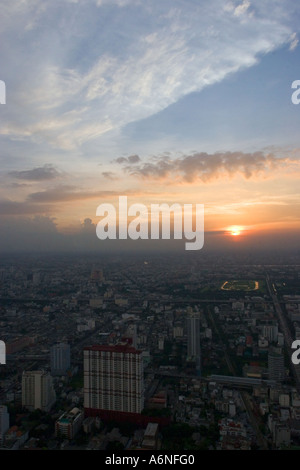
column 154, row 352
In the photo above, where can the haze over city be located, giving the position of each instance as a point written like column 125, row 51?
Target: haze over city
column 149, row 227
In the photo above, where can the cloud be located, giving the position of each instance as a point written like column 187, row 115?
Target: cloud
column 47, row 172
column 109, row 175
column 31, row 234
column 242, row 8
column 294, row 42
column 11, row 208
column 67, row 193
column 132, row 160
column 72, row 193
column 88, row 226
column 208, row 167
column 119, row 3
column 84, row 74
column 47, row 201
column 18, row 185
column 121, row 160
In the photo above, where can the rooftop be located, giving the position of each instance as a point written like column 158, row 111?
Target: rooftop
column 118, row 348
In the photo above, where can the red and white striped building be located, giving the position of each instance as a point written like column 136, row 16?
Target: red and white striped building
column 113, row 379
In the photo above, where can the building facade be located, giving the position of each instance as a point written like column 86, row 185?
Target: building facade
column 37, row 390
column 113, row 378
column 193, row 339
column 276, row 366
column 69, row 423
column 60, row 358
column 4, row 420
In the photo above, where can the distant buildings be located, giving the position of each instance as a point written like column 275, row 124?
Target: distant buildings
column 113, row 378
column 97, row 275
column 233, row 435
column 69, row 423
column 270, row 332
column 193, row 339
column 4, row 421
column 37, row 390
column 60, row 358
column 281, row 432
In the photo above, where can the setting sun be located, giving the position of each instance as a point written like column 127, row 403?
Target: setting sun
column 235, row 231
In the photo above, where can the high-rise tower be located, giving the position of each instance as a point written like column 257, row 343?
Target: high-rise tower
column 276, row 366
column 193, row 339
column 37, row 390
column 60, row 358
column 113, row 379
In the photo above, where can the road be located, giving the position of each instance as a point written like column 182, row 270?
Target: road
column 253, row 421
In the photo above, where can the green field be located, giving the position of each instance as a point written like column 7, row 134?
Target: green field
column 245, row 285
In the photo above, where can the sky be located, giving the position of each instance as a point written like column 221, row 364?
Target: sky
column 173, row 101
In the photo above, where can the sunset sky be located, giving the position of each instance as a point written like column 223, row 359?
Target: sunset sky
column 184, row 101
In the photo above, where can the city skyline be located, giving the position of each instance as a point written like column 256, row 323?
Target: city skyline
column 113, row 353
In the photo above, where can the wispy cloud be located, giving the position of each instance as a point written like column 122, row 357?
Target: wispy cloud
column 67, row 193
column 109, row 175
column 294, row 41
column 12, row 208
column 72, row 193
column 47, row 172
column 242, row 8
column 123, row 70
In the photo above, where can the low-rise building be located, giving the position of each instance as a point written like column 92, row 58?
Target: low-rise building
column 69, row 423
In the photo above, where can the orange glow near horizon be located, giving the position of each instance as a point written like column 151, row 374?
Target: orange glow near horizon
column 235, row 231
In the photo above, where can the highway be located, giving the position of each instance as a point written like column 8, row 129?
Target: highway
column 34, row 303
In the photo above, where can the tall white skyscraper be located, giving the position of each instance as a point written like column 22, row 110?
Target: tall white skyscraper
column 132, row 333
column 113, row 378
column 4, row 420
column 37, row 390
column 276, row 366
column 60, row 358
column 193, row 339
